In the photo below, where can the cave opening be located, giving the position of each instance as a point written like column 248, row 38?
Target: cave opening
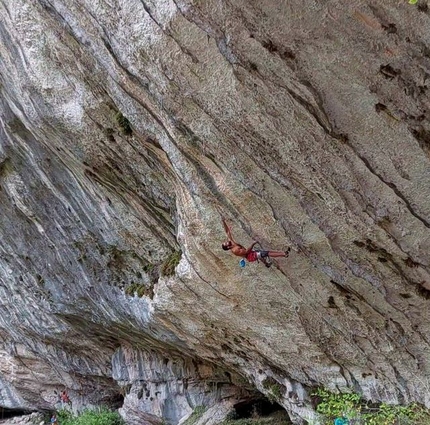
column 114, row 401
column 11, row 413
column 258, row 408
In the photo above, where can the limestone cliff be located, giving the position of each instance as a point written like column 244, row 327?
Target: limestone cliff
column 129, row 127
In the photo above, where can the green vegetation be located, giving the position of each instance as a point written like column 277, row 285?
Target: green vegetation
column 274, row 388
column 90, row 417
column 413, row 1
column 333, row 405
column 352, row 406
column 123, row 123
column 40, row 280
column 196, row 415
column 166, row 268
column 169, row 264
column 148, row 268
column 140, row 289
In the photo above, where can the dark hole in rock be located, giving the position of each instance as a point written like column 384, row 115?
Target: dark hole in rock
column 423, row 7
column 388, row 71
column 115, row 401
column 342, row 137
column 423, row 136
column 12, row 413
column 424, row 292
column 380, row 107
column 288, row 54
column 390, row 28
column 269, row 46
column 410, row 263
column 331, row 302
column 257, row 409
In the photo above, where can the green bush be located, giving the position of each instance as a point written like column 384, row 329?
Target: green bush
column 123, row 123
column 388, row 414
column 90, row 417
column 169, row 264
column 352, row 406
column 139, row 289
column 275, row 390
column 196, row 415
column 333, row 405
column 148, row 268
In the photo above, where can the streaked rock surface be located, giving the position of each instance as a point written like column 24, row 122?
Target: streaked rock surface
column 129, row 127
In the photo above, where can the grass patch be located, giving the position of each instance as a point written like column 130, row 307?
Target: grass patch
column 274, row 389
column 196, row 415
column 90, row 417
column 166, row 268
column 123, row 123
column 140, row 290
column 148, row 268
column 169, row 264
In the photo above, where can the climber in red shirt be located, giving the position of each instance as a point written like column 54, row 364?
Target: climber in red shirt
column 250, row 254
column 64, row 397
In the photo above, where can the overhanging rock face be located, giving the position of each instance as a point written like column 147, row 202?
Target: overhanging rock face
column 128, row 128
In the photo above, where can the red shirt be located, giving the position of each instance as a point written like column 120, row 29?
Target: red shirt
column 252, row 256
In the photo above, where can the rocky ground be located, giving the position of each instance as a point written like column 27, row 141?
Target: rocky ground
column 32, row 419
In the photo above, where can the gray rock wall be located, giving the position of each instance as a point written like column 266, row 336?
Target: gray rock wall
column 129, row 127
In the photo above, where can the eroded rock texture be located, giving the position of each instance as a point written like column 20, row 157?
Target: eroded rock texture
column 128, row 127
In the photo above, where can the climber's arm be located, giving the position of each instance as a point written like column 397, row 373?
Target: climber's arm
column 227, row 229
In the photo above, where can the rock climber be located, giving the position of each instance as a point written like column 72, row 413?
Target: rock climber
column 64, row 397
column 250, row 253
column 54, row 419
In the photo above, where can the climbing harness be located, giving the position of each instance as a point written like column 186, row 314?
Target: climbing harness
column 266, row 260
